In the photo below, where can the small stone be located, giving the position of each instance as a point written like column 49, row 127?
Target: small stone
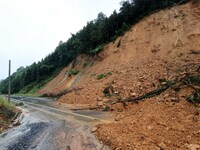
column 116, row 50
column 16, row 123
column 173, row 99
column 116, row 92
column 133, row 94
column 166, row 95
column 119, row 110
column 193, row 147
column 163, row 83
column 173, row 29
column 94, row 129
column 99, row 99
column 124, row 88
column 114, row 81
column 117, row 119
column 99, row 103
column 149, row 127
column 10, row 126
column 105, row 100
column 162, row 145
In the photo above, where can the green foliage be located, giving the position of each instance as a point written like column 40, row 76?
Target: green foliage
column 5, row 103
column 72, row 72
column 85, row 64
column 112, row 39
column 194, row 80
column 97, row 49
column 7, row 111
column 100, row 76
column 194, row 98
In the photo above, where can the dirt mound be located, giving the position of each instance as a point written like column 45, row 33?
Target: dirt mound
column 153, row 124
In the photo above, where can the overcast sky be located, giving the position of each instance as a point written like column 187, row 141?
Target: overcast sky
column 31, row 29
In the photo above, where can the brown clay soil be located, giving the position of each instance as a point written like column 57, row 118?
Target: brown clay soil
column 154, row 124
column 162, row 47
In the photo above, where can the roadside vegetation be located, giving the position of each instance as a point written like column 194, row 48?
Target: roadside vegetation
column 90, row 40
column 7, row 112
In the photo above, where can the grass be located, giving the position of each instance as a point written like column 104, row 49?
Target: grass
column 7, row 112
column 72, row 72
column 97, row 49
column 194, row 98
column 100, row 76
column 85, row 64
column 6, row 104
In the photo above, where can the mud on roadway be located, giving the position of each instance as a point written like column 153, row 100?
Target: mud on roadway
column 45, row 126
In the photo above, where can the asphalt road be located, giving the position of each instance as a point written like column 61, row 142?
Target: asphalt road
column 46, row 126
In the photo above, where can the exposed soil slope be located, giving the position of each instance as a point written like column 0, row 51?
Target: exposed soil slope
column 63, row 80
column 161, row 47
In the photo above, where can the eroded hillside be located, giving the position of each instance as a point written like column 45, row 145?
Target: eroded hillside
column 161, row 49
column 160, row 46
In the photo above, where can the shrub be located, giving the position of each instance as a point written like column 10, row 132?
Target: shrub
column 73, row 72
column 100, row 76
column 97, row 49
column 194, row 98
column 85, row 64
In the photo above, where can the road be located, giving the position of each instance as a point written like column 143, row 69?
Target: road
column 46, row 126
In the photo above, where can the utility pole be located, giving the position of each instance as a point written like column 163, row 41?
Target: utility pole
column 9, row 84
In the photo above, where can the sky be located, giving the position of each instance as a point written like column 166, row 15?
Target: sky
column 31, row 29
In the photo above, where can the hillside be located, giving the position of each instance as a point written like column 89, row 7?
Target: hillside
column 90, row 40
column 161, row 48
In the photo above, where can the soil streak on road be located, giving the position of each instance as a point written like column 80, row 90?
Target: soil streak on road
column 46, row 127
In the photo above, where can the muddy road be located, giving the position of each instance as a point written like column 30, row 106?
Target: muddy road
column 46, row 126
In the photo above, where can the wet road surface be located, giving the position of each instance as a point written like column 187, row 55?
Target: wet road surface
column 45, row 126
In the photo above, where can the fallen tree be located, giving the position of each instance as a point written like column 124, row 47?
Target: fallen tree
column 189, row 80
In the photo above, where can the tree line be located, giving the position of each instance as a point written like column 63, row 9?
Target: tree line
column 89, row 40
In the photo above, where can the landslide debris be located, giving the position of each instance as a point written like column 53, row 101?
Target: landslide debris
column 157, row 61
